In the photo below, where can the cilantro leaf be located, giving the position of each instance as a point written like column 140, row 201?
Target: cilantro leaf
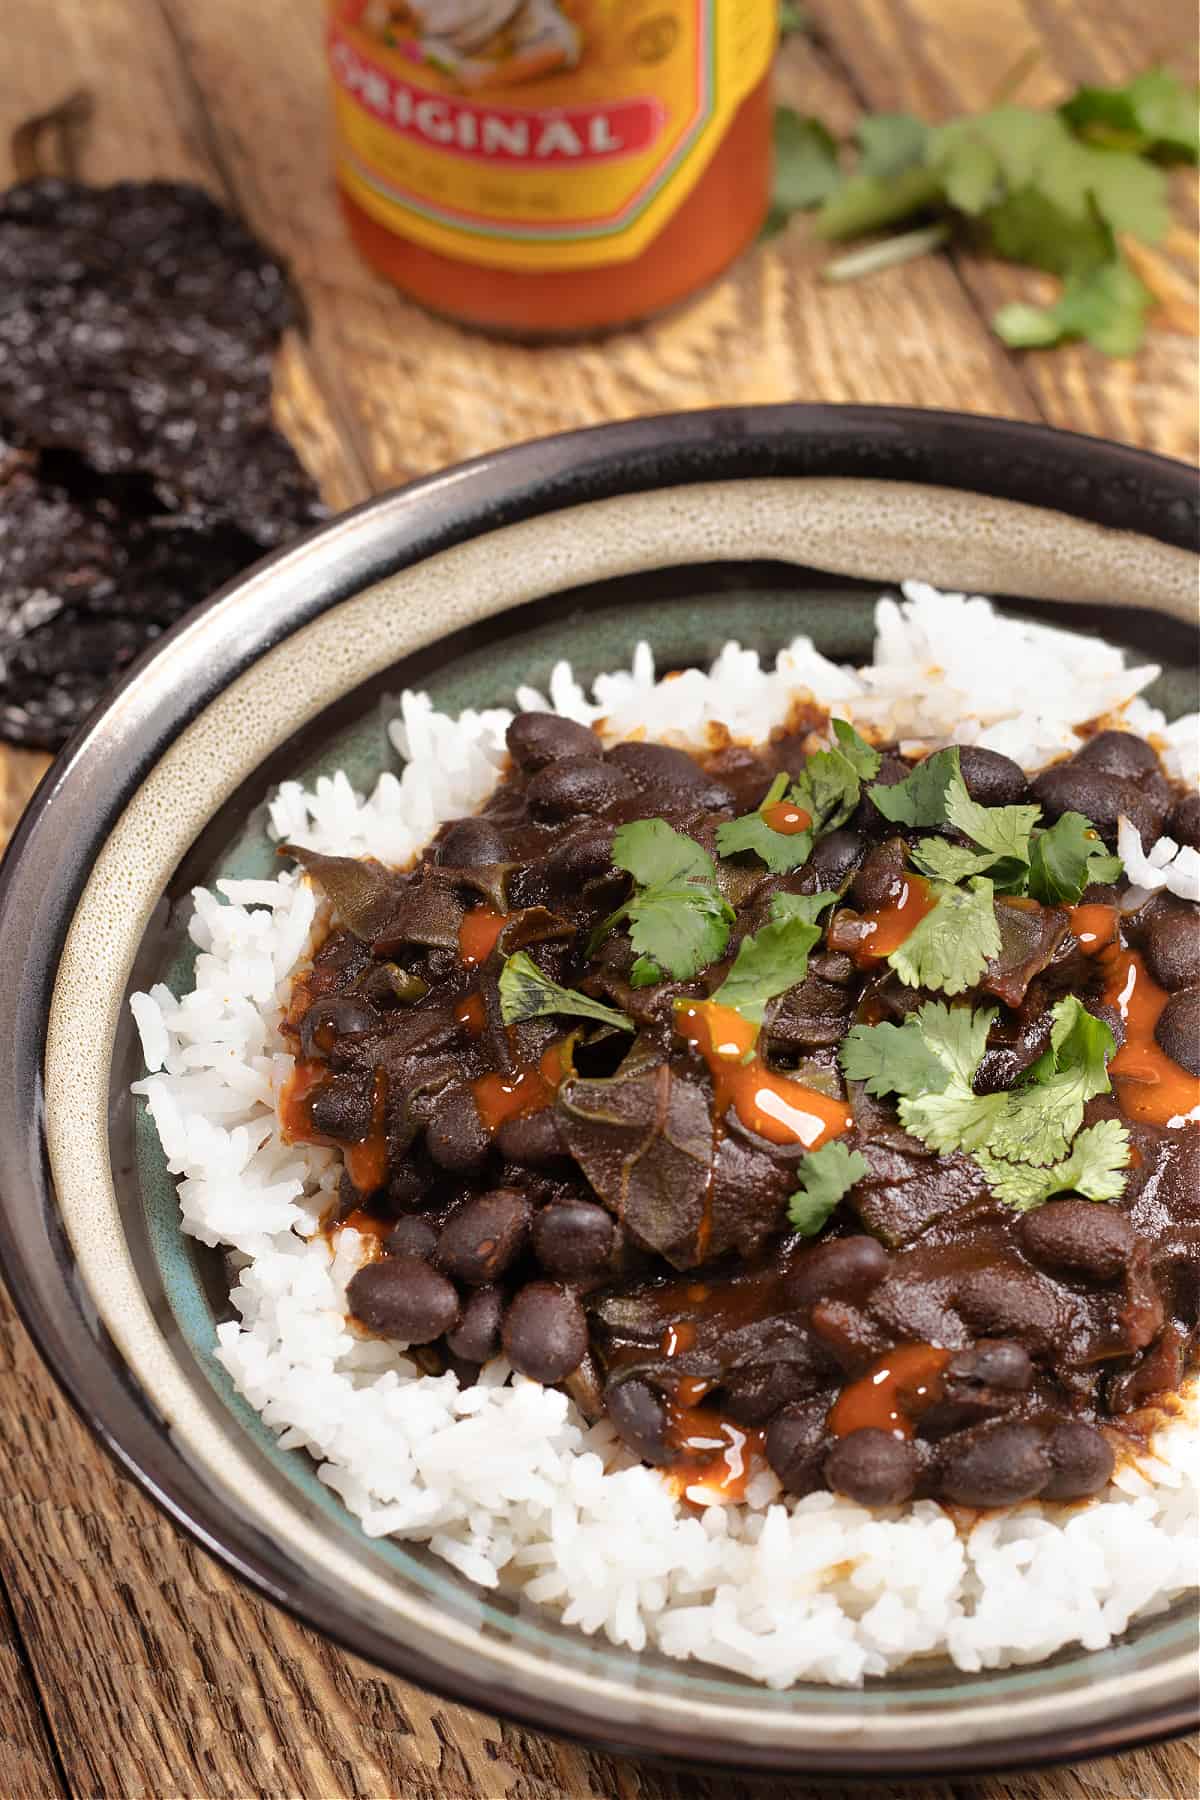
column 920, row 799
column 1107, row 306
column 1155, row 114
column 656, row 855
column 889, row 144
column 679, row 929
column 945, row 861
column 774, row 959
column 528, row 993
column 1068, row 858
column 953, row 944
column 1004, row 830
column 862, row 757
column 678, row 922
column 894, row 1059
column 827, row 789
column 808, row 907
column 781, row 851
column 1096, row 1168
column 806, row 167
column 826, row 1177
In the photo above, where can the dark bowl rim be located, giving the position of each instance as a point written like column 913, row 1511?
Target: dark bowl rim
column 48, row 860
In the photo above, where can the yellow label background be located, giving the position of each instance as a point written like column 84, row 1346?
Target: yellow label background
column 633, row 49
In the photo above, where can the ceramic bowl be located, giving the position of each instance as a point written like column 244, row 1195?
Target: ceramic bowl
column 752, row 523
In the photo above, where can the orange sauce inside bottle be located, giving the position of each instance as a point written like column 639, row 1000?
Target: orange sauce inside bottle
column 717, row 220
column 886, row 928
column 895, row 1391
column 774, row 1106
column 1151, row 1086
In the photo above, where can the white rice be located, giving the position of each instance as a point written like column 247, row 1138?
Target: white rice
column 504, row 1480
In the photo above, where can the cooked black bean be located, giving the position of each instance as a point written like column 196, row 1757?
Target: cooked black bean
column 412, row 1236
column 1118, row 753
column 880, row 877
column 796, row 1444
column 1178, row 1029
column 1172, row 947
column 342, row 1106
column 456, row 1136
column 1100, row 797
column 485, row 1237
column 1085, row 1237
column 573, row 1238
column 1006, row 1301
column 532, row 1141
column 993, row 1363
column 402, row 1297
column 476, row 1337
column 840, row 1268
column 990, row 778
column 834, row 859
column 584, row 856
column 333, row 1017
column 1081, row 1461
column 755, row 1394
column 1184, row 824
column 872, row 1467
column 659, row 768
column 535, row 739
column 406, row 1186
column 998, row 1464
column 639, row 1415
column 545, row 1331
column 468, row 843
column 578, row 784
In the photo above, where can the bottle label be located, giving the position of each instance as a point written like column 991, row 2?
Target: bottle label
column 537, row 134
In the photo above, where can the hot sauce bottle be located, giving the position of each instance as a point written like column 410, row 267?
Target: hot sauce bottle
column 546, row 167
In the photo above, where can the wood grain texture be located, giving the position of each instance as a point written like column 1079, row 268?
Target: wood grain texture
column 131, row 1667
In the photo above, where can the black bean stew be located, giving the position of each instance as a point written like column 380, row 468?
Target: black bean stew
column 638, row 1200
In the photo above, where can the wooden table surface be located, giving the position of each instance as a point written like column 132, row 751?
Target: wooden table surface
column 131, row 1664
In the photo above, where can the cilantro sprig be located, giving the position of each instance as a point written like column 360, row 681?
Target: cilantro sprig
column 826, row 1177
column 1053, row 865
column 1027, row 1140
column 1052, row 189
column 678, row 920
column 775, row 957
column 526, row 992
column 827, row 789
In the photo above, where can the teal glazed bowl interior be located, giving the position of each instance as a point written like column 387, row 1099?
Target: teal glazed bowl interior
column 756, row 524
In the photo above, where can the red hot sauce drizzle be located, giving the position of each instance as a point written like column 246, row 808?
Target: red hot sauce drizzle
column 885, row 928
column 366, row 1161
column 774, row 1106
column 893, row 1393
column 1150, row 1085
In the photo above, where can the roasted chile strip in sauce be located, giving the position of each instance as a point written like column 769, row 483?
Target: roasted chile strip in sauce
column 895, row 1317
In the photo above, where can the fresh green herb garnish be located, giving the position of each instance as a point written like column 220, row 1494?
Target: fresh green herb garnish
column 827, row 789
column 678, row 921
column 527, row 993
column 1014, row 1135
column 792, row 18
column 952, row 945
column 1095, row 1168
column 920, row 799
column 1053, row 866
column 826, row 1177
column 806, row 167
column 775, row 958
column 1068, row 858
column 1051, row 189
